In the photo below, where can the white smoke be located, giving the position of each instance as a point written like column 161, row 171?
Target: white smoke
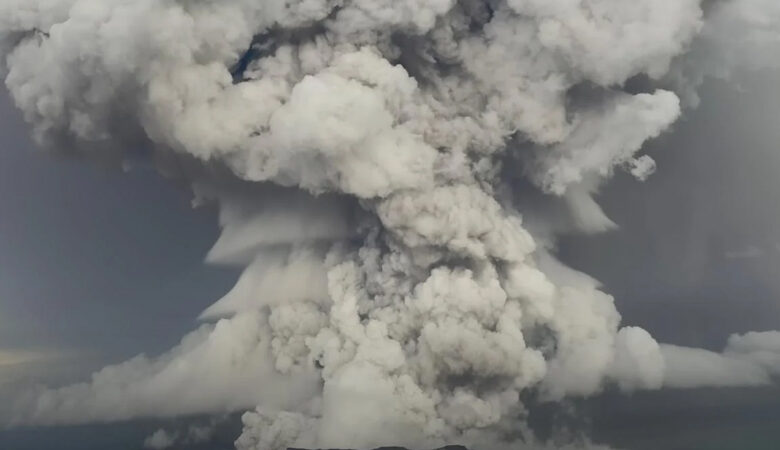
column 193, row 434
column 738, row 36
column 216, row 369
column 160, row 440
column 749, row 359
column 397, row 289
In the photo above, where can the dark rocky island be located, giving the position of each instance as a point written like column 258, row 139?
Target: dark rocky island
column 449, row 447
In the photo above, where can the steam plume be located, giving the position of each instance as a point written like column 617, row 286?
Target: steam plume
column 387, row 172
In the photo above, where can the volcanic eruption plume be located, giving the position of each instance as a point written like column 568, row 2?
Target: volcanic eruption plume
column 392, row 175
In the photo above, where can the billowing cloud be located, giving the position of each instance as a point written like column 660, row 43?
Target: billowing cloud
column 216, row 368
column 395, row 285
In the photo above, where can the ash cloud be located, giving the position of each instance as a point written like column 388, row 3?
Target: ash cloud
column 398, row 289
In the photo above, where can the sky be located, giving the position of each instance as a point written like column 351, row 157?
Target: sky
column 469, row 147
column 98, row 265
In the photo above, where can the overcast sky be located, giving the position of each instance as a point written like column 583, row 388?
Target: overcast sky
column 697, row 255
column 98, row 265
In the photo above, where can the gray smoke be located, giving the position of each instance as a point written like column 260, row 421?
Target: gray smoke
column 392, row 175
